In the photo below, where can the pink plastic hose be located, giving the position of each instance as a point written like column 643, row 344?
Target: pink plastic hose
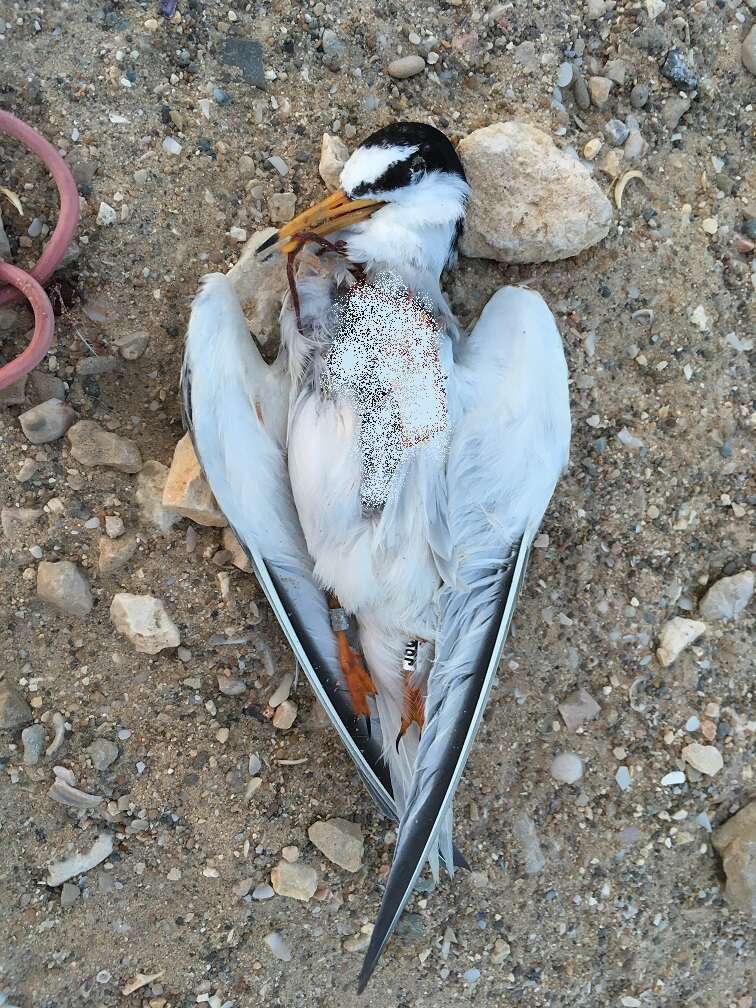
column 17, row 283
column 44, row 324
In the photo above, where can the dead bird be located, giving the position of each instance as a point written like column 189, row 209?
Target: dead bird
column 387, row 474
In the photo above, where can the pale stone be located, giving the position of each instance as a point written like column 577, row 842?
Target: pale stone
column 567, row 768
column 149, row 494
column 260, row 285
column 748, row 50
column 144, row 621
column 578, row 708
column 132, row 345
column 34, row 741
column 186, row 490
column 280, row 949
column 728, row 597
column 14, row 710
column 340, row 841
column 64, row 586
column 282, row 207
column 77, row 864
column 232, row 545
column 707, row 759
column 735, row 841
column 295, row 880
column 592, row 148
column 406, row 66
column 675, row 636
column 333, row 155
column 115, row 553
column 47, row 422
column 103, row 753
column 285, row 715
column 93, row 446
column 600, row 88
column 16, row 521
column 530, row 202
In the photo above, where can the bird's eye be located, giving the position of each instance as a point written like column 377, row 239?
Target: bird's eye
column 417, row 165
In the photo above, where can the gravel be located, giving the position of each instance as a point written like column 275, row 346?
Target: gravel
column 295, row 880
column 340, row 841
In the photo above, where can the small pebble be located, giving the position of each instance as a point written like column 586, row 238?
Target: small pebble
column 285, row 715
column 263, row 892
column 565, row 75
column 406, row 66
column 639, row 96
column 672, row 778
column 616, row 132
column 706, row 759
column 567, row 768
column 278, row 946
column 34, row 740
column 171, row 146
column 623, row 778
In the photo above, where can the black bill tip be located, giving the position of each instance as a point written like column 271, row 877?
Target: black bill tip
column 268, row 243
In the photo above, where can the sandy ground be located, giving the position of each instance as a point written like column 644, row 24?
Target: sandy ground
column 628, row 909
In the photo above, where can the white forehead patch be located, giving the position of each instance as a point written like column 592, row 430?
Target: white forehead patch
column 367, row 164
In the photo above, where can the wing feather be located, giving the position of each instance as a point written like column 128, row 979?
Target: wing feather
column 235, row 406
column 505, row 457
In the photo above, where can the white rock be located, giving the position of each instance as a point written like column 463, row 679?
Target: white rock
column 531, row 853
column 530, row 202
column 278, row 946
column 282, row 206
column 171, row 146
column 340, row 841
column 654, row 8
column 567, row 768
column 106, row 215
column 282, row 691
column 285, row 715
column 296, row 881
column 736, row 843
column 62, row 871
column 93, row 446
column 578, row 708
column 672, row 778
column 187, row 491
column 748, row 50
column 707, row 759
column 114, row 526
column 64, row 586
column 144, row 621
column 623, row 778
column 728, row 597
column 675, row 636
column 333, row 155
column 46, row 422
column 149, row 494
column 406, row 66
column 699, row 318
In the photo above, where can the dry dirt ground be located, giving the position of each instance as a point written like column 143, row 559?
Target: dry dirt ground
column 628, row 909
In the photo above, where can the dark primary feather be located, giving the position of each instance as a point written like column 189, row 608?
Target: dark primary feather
column 472, row 686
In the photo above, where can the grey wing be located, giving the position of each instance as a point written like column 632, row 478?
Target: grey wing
column 505, row 457
column 235, row 407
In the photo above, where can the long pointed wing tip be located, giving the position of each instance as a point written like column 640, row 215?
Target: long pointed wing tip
column 368, row 968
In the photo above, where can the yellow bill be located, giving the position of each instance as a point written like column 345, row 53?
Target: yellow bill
column 335, row 212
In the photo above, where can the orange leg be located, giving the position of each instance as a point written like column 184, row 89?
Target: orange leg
column 356, row 675
column 414, row 707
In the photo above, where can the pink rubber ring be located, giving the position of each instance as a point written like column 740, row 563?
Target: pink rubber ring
column 44, row 324
column 68, row 216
